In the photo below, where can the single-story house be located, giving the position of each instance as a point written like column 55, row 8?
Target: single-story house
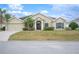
column 40, row 21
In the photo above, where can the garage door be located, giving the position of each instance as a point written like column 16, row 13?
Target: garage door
column 15, row 27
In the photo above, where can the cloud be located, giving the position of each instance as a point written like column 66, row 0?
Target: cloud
column 18, row 10
column 67, row 10
column 44, row 11
column 70, row 11
column 15, row 12
column 27, row 13
column 15, row 6
column 20, row 13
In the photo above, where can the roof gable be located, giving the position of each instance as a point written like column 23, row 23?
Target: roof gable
column 61, row 18
column 39, row 15
column 15, row 20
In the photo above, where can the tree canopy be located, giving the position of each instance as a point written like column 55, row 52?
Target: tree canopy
column 73, row 25
column 7, row 17
column 28, row 23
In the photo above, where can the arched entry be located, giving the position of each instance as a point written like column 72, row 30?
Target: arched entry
column 38, row 25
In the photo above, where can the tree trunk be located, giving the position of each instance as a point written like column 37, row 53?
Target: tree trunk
column 28, row 26
column 1, row 21
column 6, row 25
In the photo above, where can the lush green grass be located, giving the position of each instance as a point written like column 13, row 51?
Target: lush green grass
column 45, row 35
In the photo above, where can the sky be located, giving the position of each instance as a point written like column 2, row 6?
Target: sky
column 68, row 11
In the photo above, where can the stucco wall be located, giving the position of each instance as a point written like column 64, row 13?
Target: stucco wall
column 15, row 26
column 60, row 20
column 43, row 19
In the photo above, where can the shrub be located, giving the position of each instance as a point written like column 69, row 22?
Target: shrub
column 77, row 29
column 49, row 28
column 30, row 29
column 24, row 29
column 68, row 28
column 3, row 28
column 73, row 25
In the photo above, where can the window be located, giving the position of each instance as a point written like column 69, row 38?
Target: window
column 59, row 25
column 46, row 24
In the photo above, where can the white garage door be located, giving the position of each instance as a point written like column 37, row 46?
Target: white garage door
column 15, row 27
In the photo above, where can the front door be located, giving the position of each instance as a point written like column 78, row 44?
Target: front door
column 38, row 25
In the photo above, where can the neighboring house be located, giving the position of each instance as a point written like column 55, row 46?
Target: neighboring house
column 40, row 22
column 76, row 20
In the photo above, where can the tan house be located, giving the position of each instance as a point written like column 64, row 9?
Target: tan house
column 40, row 21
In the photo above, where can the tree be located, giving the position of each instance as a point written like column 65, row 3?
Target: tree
column 73, row 25
column 7, row 17
column 2, row 13
column 28, row 23
column 4, row 16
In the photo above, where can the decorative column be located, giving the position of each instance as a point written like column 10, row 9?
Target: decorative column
column 42, row 26
column 35, row 25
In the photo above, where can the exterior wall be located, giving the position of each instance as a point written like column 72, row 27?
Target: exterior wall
column 15, row 26
column 42, row 23
column 47, row 21
column 77, row 23
column 59, row 20
column 43, row 20
column 66, row 24
column 51, row 22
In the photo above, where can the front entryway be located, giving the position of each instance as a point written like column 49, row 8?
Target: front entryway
column 38, row 25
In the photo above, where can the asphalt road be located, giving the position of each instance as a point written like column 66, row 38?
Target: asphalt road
column 39, row 47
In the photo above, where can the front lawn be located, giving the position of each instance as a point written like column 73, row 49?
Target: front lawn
column 45, row 35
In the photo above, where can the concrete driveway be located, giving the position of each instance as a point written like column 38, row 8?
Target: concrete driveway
column 4, row 35
column 39, row 47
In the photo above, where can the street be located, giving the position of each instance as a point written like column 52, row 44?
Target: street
column 39, row 47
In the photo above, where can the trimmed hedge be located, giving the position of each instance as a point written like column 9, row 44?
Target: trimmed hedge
column 77, row 29
column 49, row 28
column 31, row 29
column 24, row 29
column 68, row 29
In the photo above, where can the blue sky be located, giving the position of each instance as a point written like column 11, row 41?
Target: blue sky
column 69, row 11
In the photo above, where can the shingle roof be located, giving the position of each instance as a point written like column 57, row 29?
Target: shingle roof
column 15, row 20
column 36, row 14
column 25, row 17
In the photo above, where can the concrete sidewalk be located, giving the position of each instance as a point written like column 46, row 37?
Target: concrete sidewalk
column 4, row 35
